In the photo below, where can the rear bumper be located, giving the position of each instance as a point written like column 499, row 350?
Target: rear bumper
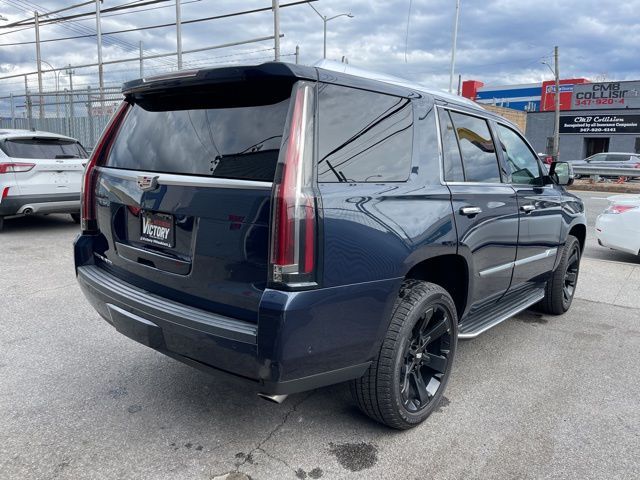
column 49, row 203
column 303, row 340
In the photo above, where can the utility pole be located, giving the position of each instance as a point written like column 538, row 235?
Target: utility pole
column 276, row 29
column 99, row 38
column 36, row 18
column 556, row 132
column 27, row 102
column 297, row 54
column 453, row 46
column 141, row 61
column 179, row 34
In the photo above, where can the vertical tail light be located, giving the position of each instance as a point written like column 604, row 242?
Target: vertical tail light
column 98, row 157
column 293, row 220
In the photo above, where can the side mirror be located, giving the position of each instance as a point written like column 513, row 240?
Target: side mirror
column 562, row 173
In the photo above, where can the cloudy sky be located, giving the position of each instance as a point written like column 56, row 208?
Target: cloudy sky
column 500, row 41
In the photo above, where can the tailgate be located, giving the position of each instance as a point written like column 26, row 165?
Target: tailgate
column 183, row 201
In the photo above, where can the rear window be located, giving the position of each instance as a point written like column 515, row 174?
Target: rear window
column 42, row 148
column 232, row 142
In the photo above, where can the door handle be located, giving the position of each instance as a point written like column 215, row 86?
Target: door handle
column 470, row 211
column 528, row 208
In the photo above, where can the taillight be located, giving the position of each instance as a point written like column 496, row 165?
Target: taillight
column 16, row 167
column 98, row 156
column 293, row 221
column 5, row 192
column 618, row 209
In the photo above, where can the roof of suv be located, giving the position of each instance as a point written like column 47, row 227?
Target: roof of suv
column 326, row 71
column 8, row 133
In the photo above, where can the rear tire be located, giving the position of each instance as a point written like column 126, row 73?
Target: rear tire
column 561, row 286
column 407, row 379
column 75, row 217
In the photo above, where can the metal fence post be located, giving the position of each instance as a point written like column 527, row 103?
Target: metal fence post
column 90, row 117
column 29, row 113
column 67, row 122
column 13, row 111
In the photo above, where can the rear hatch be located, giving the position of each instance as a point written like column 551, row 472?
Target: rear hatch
column 50, row 165
column 182, row 201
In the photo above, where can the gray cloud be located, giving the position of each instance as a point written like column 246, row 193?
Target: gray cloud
column 500, row 41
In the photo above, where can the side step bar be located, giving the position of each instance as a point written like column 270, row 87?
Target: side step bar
column 486, row 318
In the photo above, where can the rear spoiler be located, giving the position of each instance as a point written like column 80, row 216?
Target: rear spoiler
column 272, row 71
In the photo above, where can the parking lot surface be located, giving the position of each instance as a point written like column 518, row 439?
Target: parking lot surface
column 535, row 397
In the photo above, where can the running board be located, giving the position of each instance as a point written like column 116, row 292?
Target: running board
column 486, row 318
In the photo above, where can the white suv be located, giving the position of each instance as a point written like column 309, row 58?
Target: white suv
column 40, row 172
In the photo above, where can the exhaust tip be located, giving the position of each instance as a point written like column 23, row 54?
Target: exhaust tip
column 28, row 211
column 273, row 398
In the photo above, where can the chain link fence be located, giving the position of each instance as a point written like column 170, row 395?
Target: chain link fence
column 81, row 113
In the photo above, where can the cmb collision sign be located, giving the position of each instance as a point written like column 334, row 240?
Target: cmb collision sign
column 606, row 95
column 603, row 124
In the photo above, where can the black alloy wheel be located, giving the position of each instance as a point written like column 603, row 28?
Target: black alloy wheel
column 406, row 380
column 561, row 287
column 426, row 358
column 571, row 275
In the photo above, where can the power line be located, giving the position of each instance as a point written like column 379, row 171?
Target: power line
column 163, row 25
column 27, row 6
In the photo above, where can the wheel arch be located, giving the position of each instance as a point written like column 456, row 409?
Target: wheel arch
column 580, row 232
column 450, row 271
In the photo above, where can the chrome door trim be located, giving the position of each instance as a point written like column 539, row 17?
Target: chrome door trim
column 523, row 261
column 187, row 180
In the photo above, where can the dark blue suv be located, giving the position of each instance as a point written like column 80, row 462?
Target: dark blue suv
column 297, row 227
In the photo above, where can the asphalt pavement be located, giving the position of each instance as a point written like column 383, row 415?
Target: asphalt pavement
column 535, row 397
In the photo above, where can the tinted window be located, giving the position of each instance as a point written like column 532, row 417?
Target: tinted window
column 363, row 136
column 236, row 142
column 598, row 157
column 617, row 158
column 451, row 152
column 43, row 148
column 522, row 161
column 478, row 151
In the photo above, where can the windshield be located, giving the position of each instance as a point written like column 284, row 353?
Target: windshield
column 42, row 148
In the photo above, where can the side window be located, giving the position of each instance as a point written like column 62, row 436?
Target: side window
column 363, row 136
column 451, row 152
column 524, row 165
column 478, row 151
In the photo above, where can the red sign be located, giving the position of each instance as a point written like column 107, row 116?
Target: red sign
column 548, row 99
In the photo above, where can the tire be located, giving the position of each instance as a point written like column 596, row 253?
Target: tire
column 75, row 217
column 391, row 392
column 561, row 286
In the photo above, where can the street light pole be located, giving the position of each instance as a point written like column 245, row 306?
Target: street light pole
column 325, row 20
column 556, row 129
column 36, row 19
column 179, row 34
column 276, row 29
column 53, row 70
column 453, row 46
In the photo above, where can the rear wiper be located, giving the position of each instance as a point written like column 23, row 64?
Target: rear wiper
column 339, row 175
column 66, row 155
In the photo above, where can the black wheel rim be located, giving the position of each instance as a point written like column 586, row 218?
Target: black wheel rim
column 426, row 359
column 571, row 275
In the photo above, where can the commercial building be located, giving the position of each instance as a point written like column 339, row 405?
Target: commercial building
column 595, row 117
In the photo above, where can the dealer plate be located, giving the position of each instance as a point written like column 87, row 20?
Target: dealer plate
column 158, row 229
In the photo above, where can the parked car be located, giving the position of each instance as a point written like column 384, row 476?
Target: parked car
column 297, row 227
column 611, row 160
column 618, row 227
column 40, row 172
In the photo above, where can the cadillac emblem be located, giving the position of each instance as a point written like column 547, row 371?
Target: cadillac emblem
column 147, row 183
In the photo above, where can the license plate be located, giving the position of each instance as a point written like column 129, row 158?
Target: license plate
column 158, row 229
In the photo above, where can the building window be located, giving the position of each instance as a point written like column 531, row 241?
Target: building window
column 549, row 149
column 638, row 145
